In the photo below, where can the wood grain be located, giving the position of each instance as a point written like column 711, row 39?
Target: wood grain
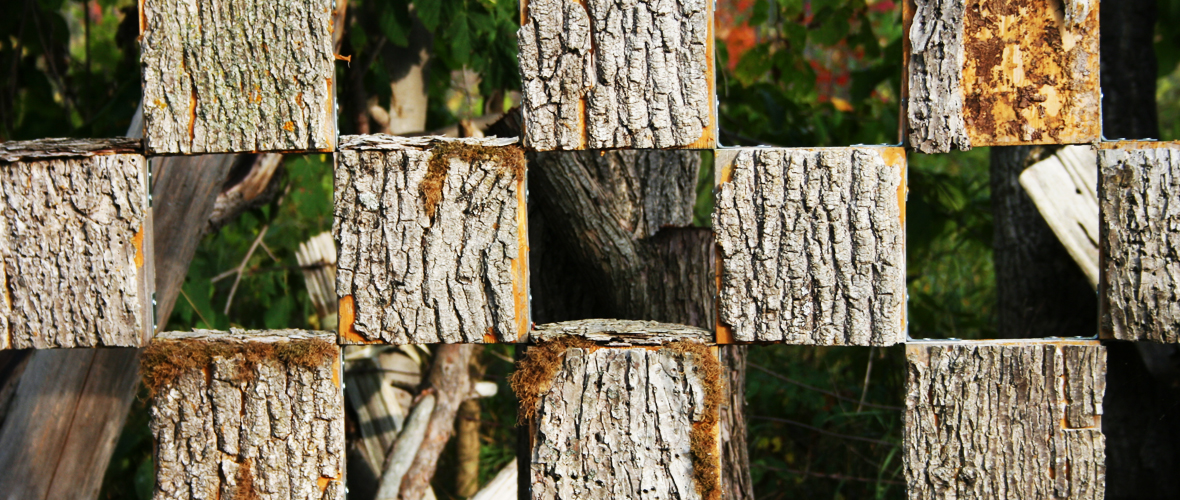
column 608, row 74
column 408, row 276
column 1138, row 297
column 1065, row 189
column 621, row 333
column 72, row 242
column 237, row 75
column 811, row 245
column 249, row 428
column 1005, row 420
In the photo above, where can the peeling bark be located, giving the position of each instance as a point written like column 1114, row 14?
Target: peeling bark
column 812, row 246
column 935, row 110
column 72, row 241
column 1005, row 421
column 453, row 276
column 614, row 74
column 634, row 405
column 1140, row 235
column 272, row 430
column 238, row 75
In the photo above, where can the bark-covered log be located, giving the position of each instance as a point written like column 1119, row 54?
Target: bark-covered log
column 1005, row 420
column 1002, row 72
column 1140, row 236
column 812, row 245
column 75, row 244
column 621, row 333
column 432, row 238
column 622, row 422
column 246, row 415
column 237, row 75
column 612, row 74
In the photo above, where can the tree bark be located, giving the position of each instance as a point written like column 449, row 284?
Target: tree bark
column 432, row 241
column 1005, row 421
column 242, row 76
column 247, row 415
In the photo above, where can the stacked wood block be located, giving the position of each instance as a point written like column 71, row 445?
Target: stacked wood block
column 650, row 405
column 1020, row 419
column 246, row 414
column 1140, row 239
column 237, row 75
column 611, row 74
column 812, row 245
column 432, row 238
column 75, row 245
column 1001, row 72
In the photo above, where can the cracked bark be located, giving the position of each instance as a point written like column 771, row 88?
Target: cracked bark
column 812, row 247
column 1005, row 421
column 1139, row 235
column 620, row 333
column 935, row 110
column 411, row 278
column 613, row 74
column 72, row 243
column 237, row 76
column 640, row 406
column 268, row 431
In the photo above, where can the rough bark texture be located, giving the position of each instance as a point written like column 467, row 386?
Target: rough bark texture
column 237, row 75
column 615, row 74
column 1005, row 421
column 417, row 278
column 737, row 484
column 1040, row 291
column 14, row 151
column 812, row 247
column 73, row 250
column 621, row 333
column 612, row 217
column 935, row 110
column 1129, row 70
column 237, row 429
column 633, row 405
column 1141, row 237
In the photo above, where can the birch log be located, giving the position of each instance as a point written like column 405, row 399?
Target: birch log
column 811, row 245
column 237, row 75
column 626, row 423
column 432, row 238
column 76, row 263
column 246, row 415
column 1139, row 297
column 1001, row 72
column 1005, row 420
column 613, row 74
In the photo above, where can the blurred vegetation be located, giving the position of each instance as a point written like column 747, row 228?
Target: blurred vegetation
column 790, row 73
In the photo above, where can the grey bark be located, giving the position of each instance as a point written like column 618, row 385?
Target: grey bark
column 812, row 247
column 1129, row 69
column 74, row 272
column 40, row 149
column 620, row 333
column 402, row 454
column 238, row 76
column 633, row 405
column 1005, row 421
column 614, row 74
column 274, row 432
column 1139, row 232
column 935, row 109
column 416, row 279
column 737, row 484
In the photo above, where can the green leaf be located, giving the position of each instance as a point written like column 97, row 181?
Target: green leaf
column 394, row 21
column 460, row 36
column 428, row 12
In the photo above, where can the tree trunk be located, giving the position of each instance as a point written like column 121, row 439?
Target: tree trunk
column 985, row 420
column 255, row 414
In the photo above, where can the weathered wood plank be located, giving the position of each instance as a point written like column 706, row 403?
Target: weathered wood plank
column 75, row 244
column 611, row 74
column 242, row 414
column 1005, row 420
column 1139, row 295
column 1002, row 72
column 1065, row 189
column 433, row 240
column 812, row 245
column 621, row 333
column 628, row 422
column 237, row 75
